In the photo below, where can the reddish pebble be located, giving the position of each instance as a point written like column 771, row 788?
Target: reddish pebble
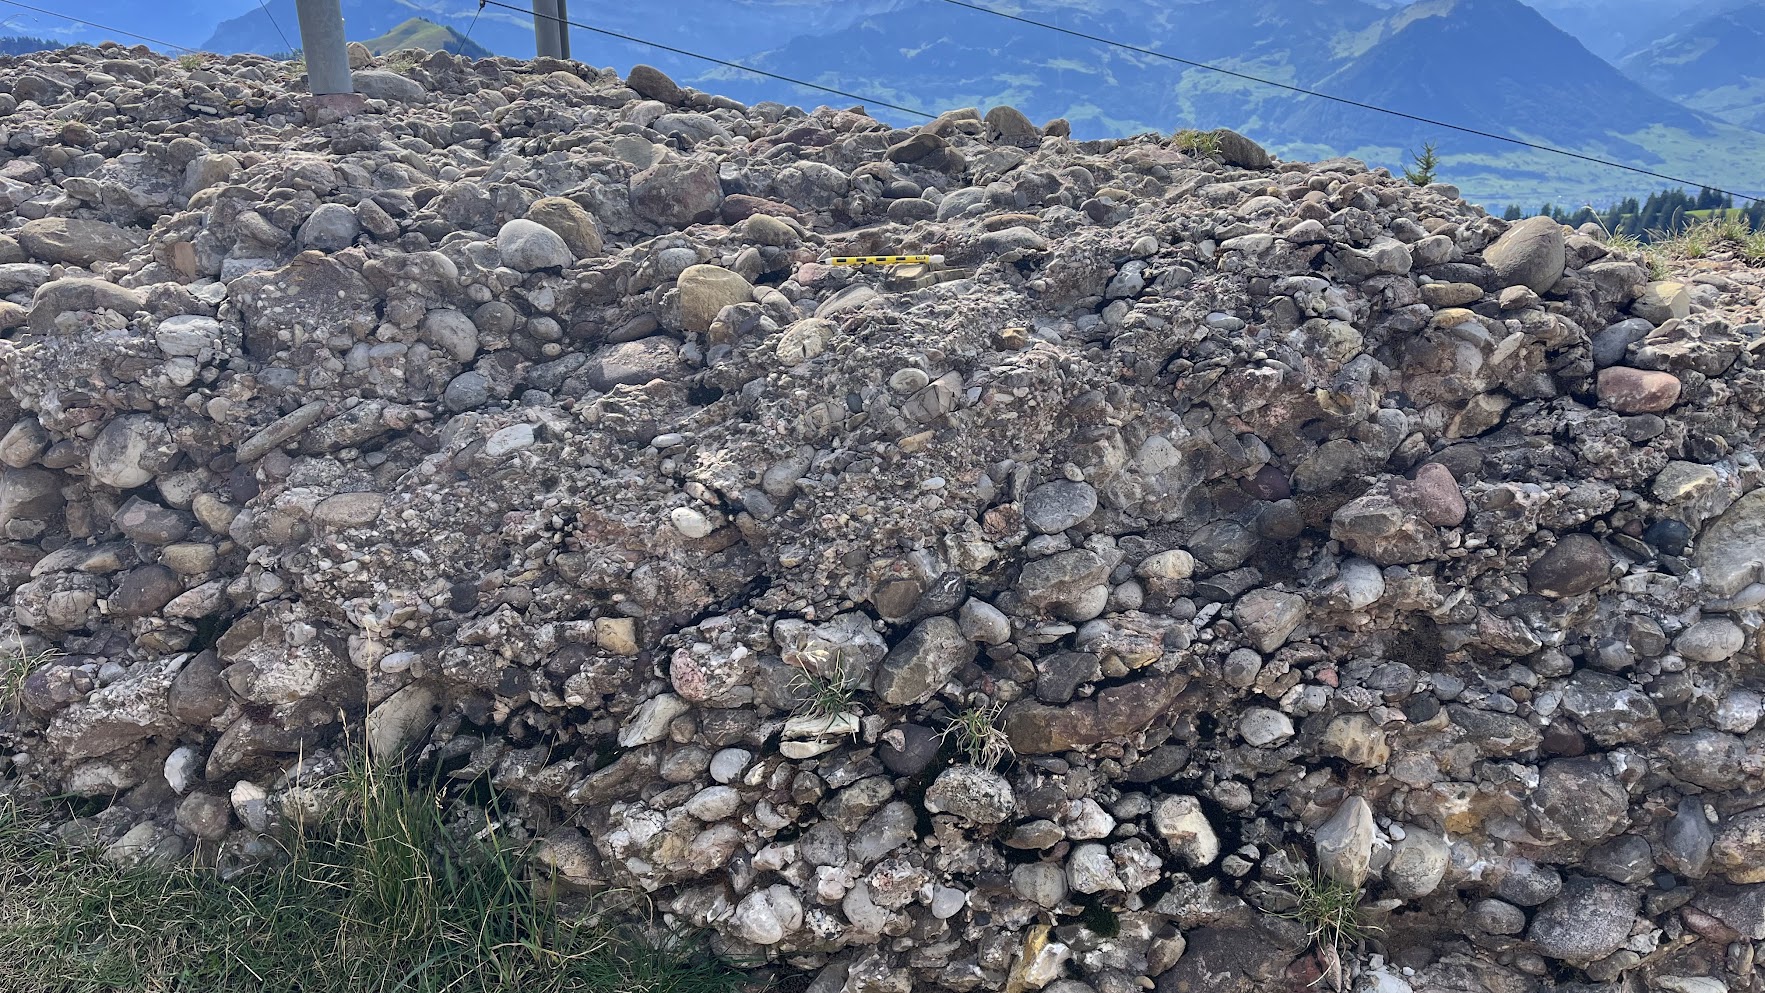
column 1269, row 483
column 1437, row 496
column 1637, row 391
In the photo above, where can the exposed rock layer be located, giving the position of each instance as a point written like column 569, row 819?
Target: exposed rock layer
column 1283, row 517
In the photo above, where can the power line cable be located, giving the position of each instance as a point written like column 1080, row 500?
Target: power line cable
column 722, row 62
column 1344, row 100
column 265, row 8
column 469, row 28
column 101, row 27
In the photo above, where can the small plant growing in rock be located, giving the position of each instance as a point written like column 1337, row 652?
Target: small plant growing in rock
column 190, row 61
column 1330, row 910
column 1753, row 249
column 15, row 666
column 821, row 684
column 1199, row 144
column 978, row 737
column 1426, row 161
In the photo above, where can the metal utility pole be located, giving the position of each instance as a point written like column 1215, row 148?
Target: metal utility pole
column 564, row 27
column 548, row 29
column 321, row 42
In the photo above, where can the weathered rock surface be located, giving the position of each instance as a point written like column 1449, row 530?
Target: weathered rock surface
column 1530, row 254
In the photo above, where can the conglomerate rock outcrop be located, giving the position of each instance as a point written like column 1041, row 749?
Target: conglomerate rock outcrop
column 1283, row 517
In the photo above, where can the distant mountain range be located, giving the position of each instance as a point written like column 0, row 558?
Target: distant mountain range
column 1688, row 100
column 1612, row 29
column 1491, row 65
column 418, row 33
column 1716, row 65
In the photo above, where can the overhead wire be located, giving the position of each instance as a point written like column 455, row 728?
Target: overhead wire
column 470, row 28
column 266, row 9
column 716, row 61
column 1154, row 53
column 101, row 27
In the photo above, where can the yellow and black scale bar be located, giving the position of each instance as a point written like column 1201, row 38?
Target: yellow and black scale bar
column 884, row 259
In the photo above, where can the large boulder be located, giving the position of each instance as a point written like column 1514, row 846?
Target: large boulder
column 674, row 193
column 571, row 222
column 1574, row 565
column 1588, row 920
column 384, row 84
column 527, row 246
column 653, row 84
column 705, row 290
column 1731, row 551
column 916, row 668
column 1237, row 150
column 75, row 241
column 1531, row 253
column 311, row 293
column 57, row 303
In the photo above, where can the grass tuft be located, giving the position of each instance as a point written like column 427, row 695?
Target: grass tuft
column 393, row 891
column 1330, row 911
column 978, row 736
column 1198, row 144
column 1706, row 237
column 16, row 666
column 404, row 60
column 821, row 683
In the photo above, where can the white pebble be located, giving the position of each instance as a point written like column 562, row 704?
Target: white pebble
column 689, row 522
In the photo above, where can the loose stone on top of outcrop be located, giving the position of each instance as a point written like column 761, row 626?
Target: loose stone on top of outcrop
column 1205, row 522
column 1529, row 254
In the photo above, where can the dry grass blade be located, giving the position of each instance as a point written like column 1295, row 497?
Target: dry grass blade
column 16, row 666
column 821, row 684
column 978, row 737
column 1331, row 913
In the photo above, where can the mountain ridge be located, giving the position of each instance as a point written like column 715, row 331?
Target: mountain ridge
column 422, row 33
column 1715, row 65
column 1554, row 92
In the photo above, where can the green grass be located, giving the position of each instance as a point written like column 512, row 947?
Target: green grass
column 978, row 737
column 1701, row 240
column 15, row 666
column 822, row 684
column 1199, row 144
column 394, row 891
column 1330, row 911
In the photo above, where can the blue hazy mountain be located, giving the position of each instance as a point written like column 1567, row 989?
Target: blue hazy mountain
column 1490, row 65
column 731, row 27
column 1716, row 65
column 183, row 22
column 1612, row 29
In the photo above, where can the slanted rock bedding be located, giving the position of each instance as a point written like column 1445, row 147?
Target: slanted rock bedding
column 1282, row 517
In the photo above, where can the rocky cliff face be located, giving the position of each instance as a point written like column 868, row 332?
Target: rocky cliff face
column 1280, row 517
